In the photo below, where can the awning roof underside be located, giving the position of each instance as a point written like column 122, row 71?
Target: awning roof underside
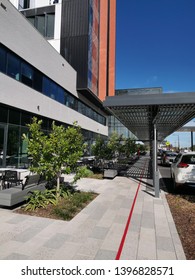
column 139, row 113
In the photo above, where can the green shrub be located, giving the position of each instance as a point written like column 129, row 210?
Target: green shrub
column 68, row 207
column 39, row 199
column 82, row 172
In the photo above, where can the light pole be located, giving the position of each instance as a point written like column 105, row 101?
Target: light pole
column 178, row 143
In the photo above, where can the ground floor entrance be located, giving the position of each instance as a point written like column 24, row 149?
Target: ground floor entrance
column 13, row 148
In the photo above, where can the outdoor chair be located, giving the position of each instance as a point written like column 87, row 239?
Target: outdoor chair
column 10, row 178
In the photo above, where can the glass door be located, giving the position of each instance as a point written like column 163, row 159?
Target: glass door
column 2, row 145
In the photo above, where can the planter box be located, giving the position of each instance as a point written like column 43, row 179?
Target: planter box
column 110, row 173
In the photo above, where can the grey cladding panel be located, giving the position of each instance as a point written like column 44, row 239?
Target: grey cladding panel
column 74, row 18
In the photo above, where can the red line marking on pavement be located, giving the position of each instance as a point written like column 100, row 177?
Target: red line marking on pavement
column 129, row 220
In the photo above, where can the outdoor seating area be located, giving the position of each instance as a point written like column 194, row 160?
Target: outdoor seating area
column 16, row 185
column 12, row 176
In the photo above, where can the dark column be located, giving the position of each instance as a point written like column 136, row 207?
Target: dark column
column 192, row 144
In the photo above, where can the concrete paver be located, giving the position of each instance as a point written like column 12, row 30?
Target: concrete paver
column 96, row 232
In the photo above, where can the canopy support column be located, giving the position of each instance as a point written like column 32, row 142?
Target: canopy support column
column 155, row 165
column 192, row 142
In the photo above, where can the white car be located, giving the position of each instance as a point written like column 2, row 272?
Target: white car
column 168, row 157
column 183, row 169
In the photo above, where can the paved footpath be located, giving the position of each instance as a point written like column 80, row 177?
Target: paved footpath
column 124, row 222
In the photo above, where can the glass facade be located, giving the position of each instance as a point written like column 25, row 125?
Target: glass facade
column 13, row 66
column 24, row 4
column 18, row 69
column 2, row 60
column 13, row 148
column 44, row 24
column 114, row 125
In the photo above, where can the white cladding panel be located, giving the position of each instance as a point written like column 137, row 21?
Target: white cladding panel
column 18, row 35
column 16, row 94
column 22, row 38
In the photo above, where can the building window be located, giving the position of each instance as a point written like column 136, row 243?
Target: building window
column 27, row 74
column 38, row 80
column 2, row 60
column 17, row 68
column 69, row 100
column 49, row 88
column 13, row 66
column 60, row 95
column 32, row 20
column 50, row 25
column 40, row 24
column 44, row 24
column 24, row 4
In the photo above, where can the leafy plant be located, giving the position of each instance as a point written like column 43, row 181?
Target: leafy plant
column 82, row 172
column 68, row 207
column 39, row 199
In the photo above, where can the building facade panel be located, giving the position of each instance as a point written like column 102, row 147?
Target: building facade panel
column 17, row 95
column 32, row 47
column 35, row 80
column 107, row 48
column 93, row 47
column 103, row 53
column 112, row 40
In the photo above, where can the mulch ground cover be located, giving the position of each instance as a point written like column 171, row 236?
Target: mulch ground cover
column 183, row 211
column 66, row 209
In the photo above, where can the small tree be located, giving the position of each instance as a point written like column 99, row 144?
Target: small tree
column 129, row 146
column 115, row 145
column 99, row 149
column 55, row 153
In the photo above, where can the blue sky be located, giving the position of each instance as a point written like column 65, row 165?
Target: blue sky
column 156, row 45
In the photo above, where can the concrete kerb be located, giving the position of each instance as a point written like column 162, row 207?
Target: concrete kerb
column 174, row 233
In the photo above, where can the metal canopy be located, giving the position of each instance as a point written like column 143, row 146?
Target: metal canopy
column 186, row 129
column 152, row 117
column 139, row 113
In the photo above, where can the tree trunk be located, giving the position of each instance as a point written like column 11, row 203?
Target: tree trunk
column 58, row 185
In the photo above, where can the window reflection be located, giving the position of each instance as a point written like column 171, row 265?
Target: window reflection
column 50, row 25
column 13, row 66
column 13, row 145
column 40, row 24
column 60, row 95
column 49, row 88
column 27, row 74
column 44, row 24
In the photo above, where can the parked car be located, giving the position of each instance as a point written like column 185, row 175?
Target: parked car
column 183, row 169
column 159, row 154
column 168, row 157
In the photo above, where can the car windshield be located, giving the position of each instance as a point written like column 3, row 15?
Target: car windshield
column 189, row 159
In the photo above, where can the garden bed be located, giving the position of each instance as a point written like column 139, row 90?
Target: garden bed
column 66, row 208
column 183, row 210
